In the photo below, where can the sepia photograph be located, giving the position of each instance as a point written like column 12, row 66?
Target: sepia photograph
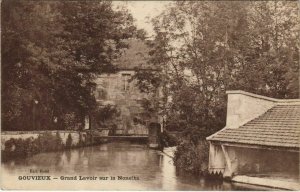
column 150, row 95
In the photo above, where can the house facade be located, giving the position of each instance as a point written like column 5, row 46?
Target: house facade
column 119, row 91
column 260, row 143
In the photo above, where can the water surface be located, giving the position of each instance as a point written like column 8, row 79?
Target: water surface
column 149, row 170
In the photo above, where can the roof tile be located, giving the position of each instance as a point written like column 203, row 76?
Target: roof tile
column 278, row 127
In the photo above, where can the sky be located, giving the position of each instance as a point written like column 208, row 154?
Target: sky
column 143, row 11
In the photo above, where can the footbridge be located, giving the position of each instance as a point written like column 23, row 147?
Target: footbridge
column 123, row 137
column 106, row 135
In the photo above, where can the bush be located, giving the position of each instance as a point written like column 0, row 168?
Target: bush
column 106, row 115
column 20, row 148
column 192, row 157
column 82, row 140
column 168, row 140
column 69, row 141
column 49, row 142
column 17, row 147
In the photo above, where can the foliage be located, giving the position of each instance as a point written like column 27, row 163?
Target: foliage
column 135, row 56
column 50, row 141
column 204, row 48
column 69, row 141
column 70, row 121
column 106, row 115
column 168, row 140
column 192, row 157
column 21, row 148
column 52, row 51
column 80, row 141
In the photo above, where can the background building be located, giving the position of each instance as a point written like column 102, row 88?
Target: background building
column 120, row 99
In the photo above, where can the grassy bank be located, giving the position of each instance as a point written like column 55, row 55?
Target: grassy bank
column 45, row 142
column 192, row 157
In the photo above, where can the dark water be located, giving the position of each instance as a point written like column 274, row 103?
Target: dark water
column 154, row 170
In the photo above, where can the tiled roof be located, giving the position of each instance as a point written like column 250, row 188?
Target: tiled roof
column 278, row 127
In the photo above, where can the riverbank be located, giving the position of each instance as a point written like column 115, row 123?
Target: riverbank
column 19, row 144
column 274, row 183
column 170, row 151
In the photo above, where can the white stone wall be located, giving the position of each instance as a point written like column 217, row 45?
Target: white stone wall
column 7, row 135
column 244, row 160
column 243, row 107
column 216, row 159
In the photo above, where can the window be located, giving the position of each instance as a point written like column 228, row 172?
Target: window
column 100, row 93
column 125, row 79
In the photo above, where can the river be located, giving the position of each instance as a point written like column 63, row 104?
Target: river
column 148, row 170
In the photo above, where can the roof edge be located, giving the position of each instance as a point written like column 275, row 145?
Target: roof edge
column 208, row 138
column 278, row 101
column 248, row 145
column 135, row 69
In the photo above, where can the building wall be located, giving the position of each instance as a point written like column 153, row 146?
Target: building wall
column 243, row 107
column 254, row 162
column 267, row 161
column 216, row 159
column 117, row 90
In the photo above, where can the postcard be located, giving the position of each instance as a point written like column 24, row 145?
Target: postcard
column 150, row 95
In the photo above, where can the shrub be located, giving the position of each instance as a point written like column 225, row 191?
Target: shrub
column 82, row 140
column 105, row 115
column 72, row 121
column 58, row 141
column 192, row 157
column 20, row 148
column 168, row 140
column 69, row 141
column 49, row 141
column 9, row 144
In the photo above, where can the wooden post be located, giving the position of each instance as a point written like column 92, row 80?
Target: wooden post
column 228, row 172
column 154, row 130
column 87, row 123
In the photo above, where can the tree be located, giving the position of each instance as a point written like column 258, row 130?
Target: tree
column 206, row 48
column 52, row 51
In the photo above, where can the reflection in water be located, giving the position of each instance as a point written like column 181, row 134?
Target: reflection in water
column 154, row 169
